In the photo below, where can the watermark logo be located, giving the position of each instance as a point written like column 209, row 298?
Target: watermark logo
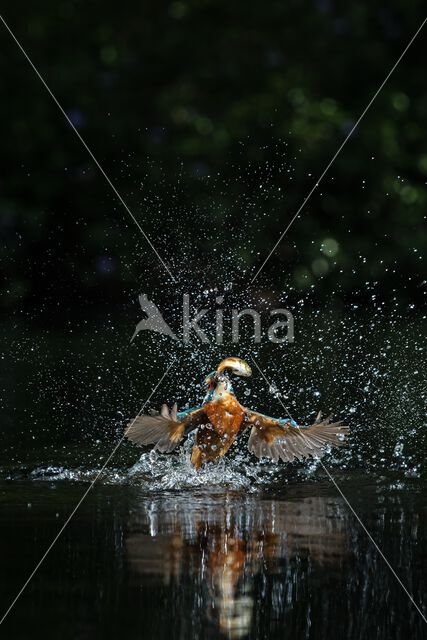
column 225, row 323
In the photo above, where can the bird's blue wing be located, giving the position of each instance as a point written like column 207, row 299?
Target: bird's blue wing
column 282, row 422
column 182, row 415
column 282, row 438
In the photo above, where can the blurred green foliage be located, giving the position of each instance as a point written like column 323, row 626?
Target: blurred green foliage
column 213, row 119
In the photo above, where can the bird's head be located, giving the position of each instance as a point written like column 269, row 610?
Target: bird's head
column 236, row 365
column 217, row 383
column 210, row 381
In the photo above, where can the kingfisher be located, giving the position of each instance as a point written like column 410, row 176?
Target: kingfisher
column 221, row 419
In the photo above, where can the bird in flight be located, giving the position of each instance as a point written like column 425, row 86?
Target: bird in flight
column 221, row 419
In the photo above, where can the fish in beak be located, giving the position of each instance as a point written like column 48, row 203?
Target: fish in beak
column 236, row 365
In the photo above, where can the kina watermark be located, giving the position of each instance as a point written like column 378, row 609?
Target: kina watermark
column 224, row 324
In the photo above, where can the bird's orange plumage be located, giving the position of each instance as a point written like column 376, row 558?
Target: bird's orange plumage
column 221, row 419
column 214, row 439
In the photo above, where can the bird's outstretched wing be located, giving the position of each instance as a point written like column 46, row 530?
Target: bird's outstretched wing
column 166, row 429
column 273, row 438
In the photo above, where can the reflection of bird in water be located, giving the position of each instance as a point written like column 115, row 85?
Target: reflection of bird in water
column 226, row 546
column 231, row 602
column 221, row 419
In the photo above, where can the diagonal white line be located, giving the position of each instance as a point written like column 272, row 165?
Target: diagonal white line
column 352, row 510
column 316, row 184
column 374, row 543
column 42, row 80
column 64, row 526
column 269, row 385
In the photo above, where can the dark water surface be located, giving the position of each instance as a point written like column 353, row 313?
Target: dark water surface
column 242, row 549
column 286, row 562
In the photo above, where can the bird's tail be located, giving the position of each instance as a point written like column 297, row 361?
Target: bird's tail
column 163, row 430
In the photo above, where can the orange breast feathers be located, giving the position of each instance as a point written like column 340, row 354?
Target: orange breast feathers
column 226, row 416
column 214, row 439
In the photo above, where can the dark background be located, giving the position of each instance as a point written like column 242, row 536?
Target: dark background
column 214, row 120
